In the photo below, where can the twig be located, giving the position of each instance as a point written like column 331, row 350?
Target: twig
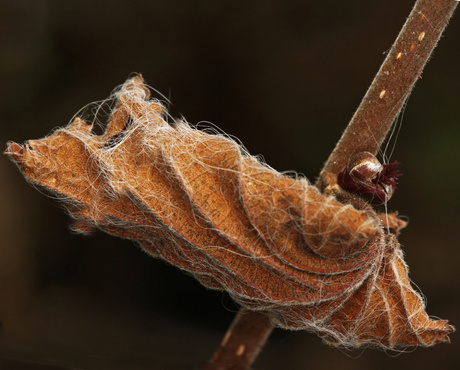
column 242, row 343
column 391, row 86
column 366, row 131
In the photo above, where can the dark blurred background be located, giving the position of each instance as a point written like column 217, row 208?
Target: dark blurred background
column 284, row 77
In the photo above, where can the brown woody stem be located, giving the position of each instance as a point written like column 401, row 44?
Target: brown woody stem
column 393, row 83
column 242, row 342
column 366, row 131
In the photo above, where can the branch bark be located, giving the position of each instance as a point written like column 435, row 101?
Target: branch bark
column 366, row 131
column 242, row 342
column 393, row 83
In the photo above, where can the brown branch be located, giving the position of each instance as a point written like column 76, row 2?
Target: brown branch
column 391, row 86
column 242, row 343
column 366, row 131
